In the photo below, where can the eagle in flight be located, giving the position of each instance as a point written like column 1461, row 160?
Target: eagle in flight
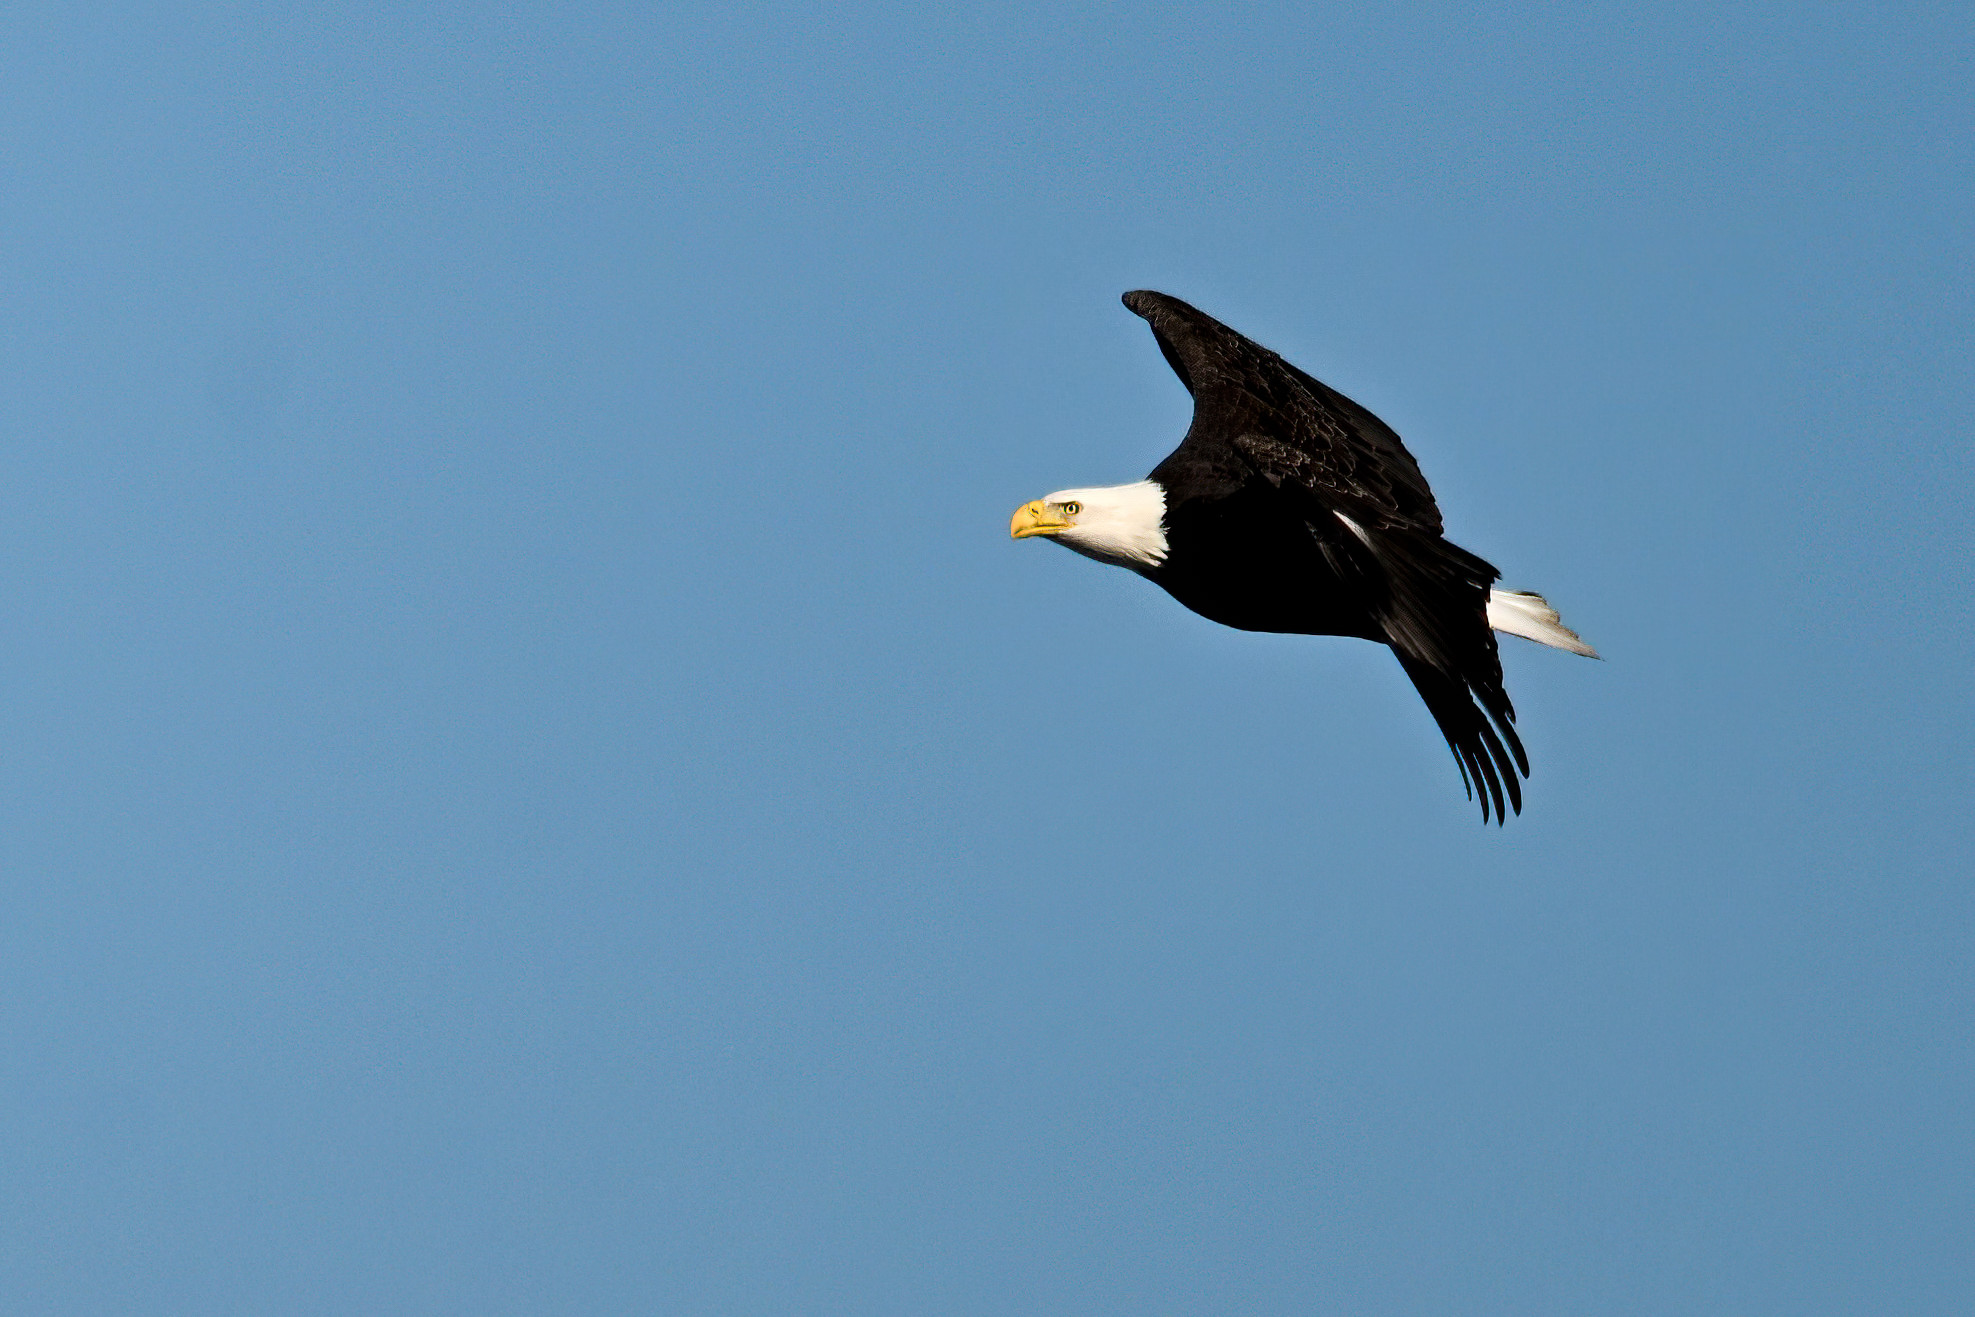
column 1288, row 507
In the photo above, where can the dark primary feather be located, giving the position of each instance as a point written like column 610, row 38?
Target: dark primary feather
column 1259, row 420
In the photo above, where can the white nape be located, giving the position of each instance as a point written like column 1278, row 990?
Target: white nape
column 1120, row 524
column 1528, row 615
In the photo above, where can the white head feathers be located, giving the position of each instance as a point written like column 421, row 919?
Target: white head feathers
column 1119, row 524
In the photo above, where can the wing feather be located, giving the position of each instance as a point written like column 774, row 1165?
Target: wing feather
column 1241, row 388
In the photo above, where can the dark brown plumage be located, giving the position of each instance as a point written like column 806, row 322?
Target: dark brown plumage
column 1291, row 508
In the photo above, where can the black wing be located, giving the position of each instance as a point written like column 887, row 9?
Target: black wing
column 1344, row 473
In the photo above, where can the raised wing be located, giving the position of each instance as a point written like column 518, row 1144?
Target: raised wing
column 1329, row 443
column 1346, row 476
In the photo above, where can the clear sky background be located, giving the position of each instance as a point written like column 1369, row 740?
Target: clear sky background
column 535, row 780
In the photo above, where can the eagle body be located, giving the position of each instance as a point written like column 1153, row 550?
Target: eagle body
column 1232, row 562
column 1290, row 508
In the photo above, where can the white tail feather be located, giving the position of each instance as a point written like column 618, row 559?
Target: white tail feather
column 1529, row 616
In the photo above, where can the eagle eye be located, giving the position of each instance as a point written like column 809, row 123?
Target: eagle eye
column 1072, row 509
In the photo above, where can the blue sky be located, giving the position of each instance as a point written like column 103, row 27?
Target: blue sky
column 536, row 781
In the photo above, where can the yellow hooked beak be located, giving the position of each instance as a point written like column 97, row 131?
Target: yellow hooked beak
column 1034, row 519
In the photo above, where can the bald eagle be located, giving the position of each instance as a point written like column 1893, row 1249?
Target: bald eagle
column 1288, row 507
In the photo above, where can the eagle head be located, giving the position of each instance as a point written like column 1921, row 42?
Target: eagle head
column 1120, row 524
